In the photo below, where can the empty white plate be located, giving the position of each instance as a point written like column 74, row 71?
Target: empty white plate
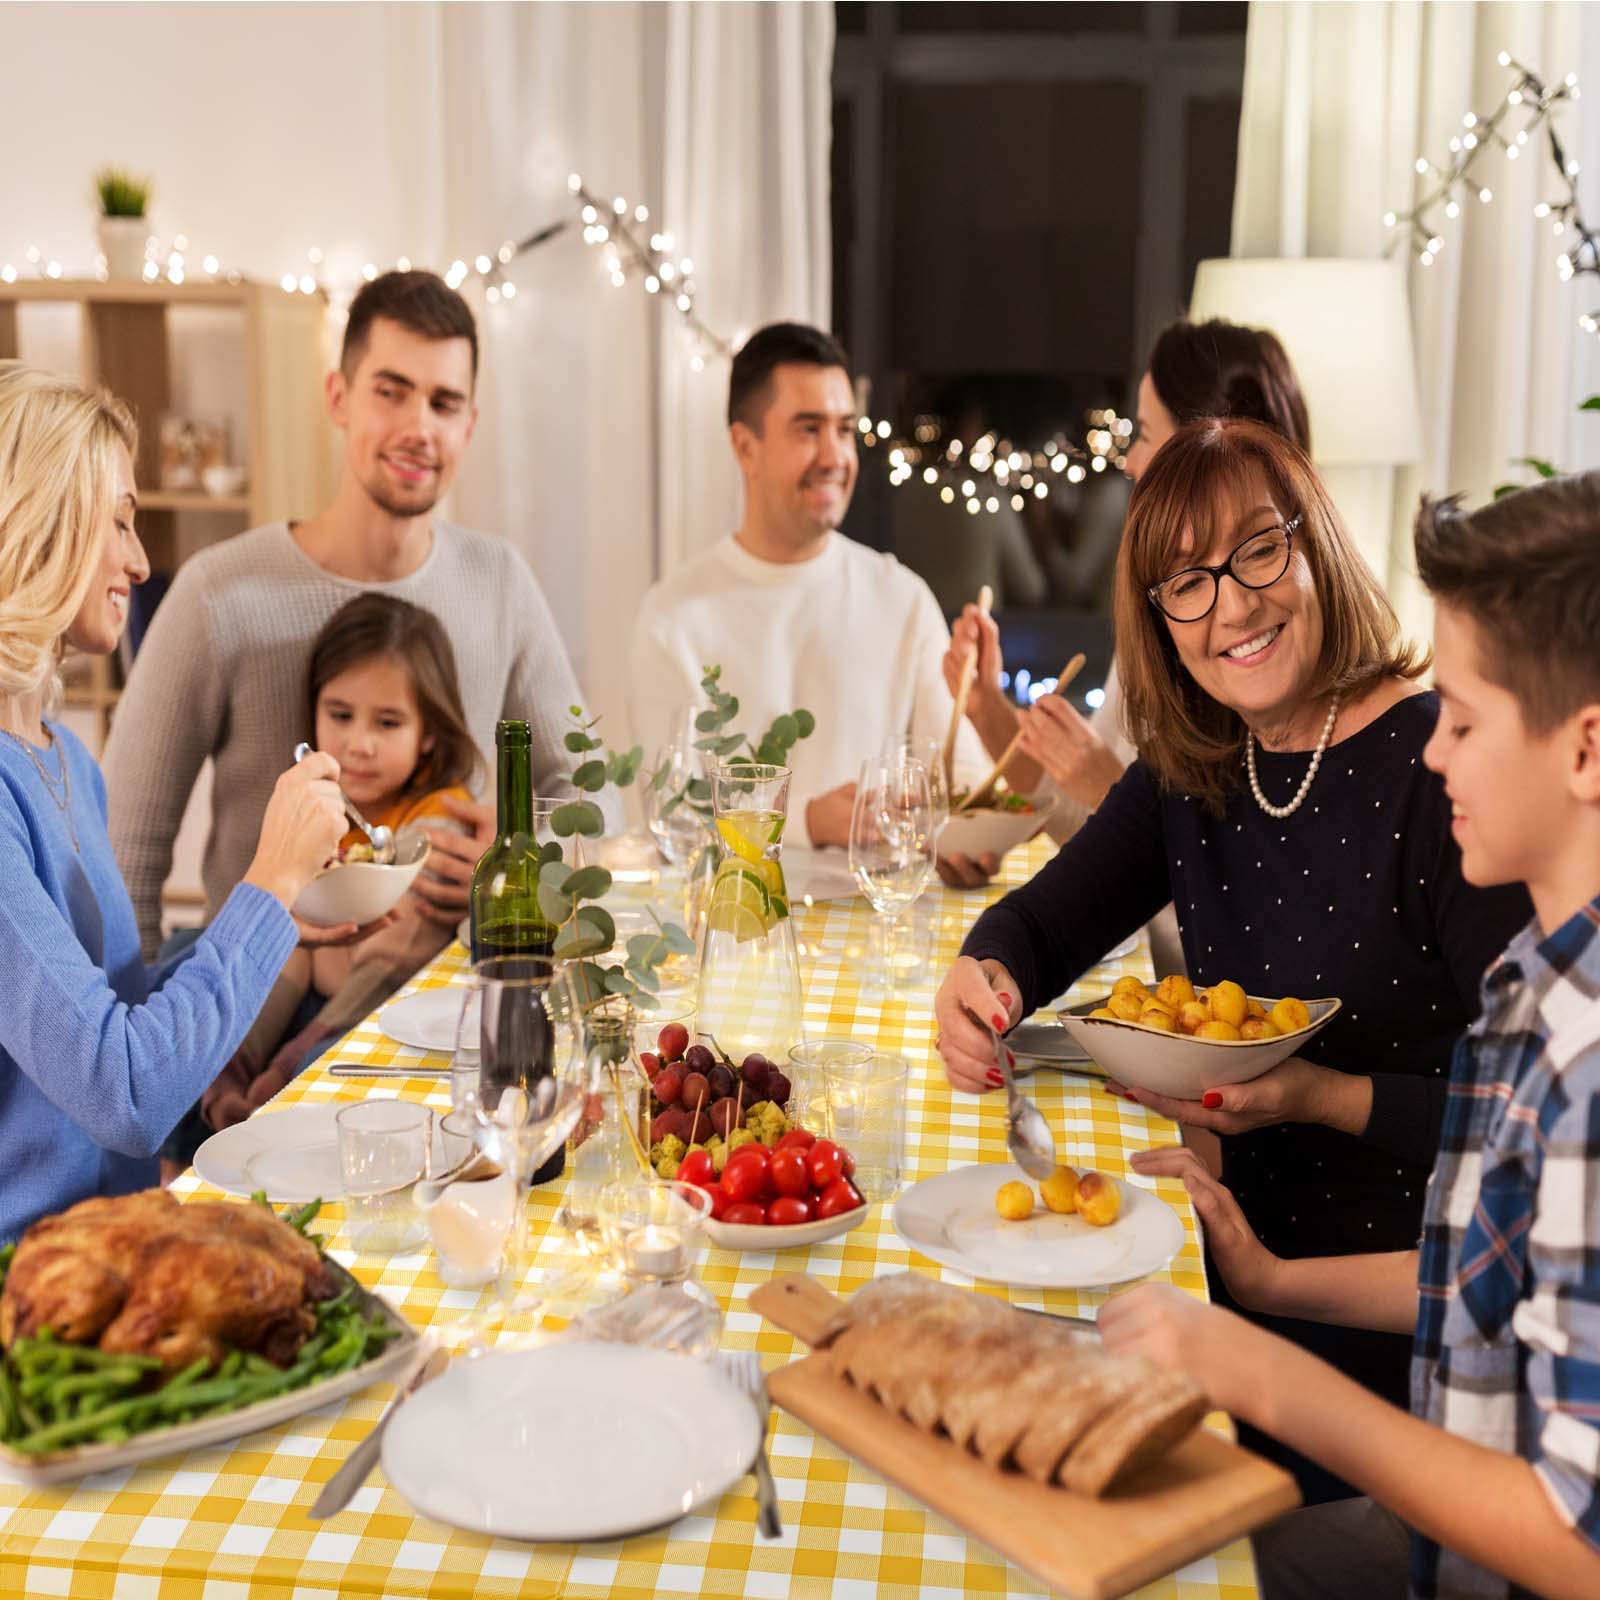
column 293, row 1154
column 951, row 1218
column 425, row 1020
column 571, row 1441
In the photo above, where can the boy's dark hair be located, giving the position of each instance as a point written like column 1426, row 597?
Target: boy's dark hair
column 420, row 301
column 778, row 344
column 1526, row 570
column 374, row 625
column 1219, row 369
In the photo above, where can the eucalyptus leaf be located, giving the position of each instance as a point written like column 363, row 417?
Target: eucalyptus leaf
column 784, row 730
column 698, row 790
column 549, row 851
column 522, row 844
column 577, row 816
column 1543, row 468
column 555, row 873
column 588, row 883
column 647, row 947
column 726, row 745
column 661, row 776
column 618, row 981
column 1591, row 404
column 590, row 777
column 708, row 722
column 645, row 977
column 600, row 918
column 590, row 980
column 578, row 742
column 678, row 942
column 580, row 937
column 806, row 723
column 554, row 904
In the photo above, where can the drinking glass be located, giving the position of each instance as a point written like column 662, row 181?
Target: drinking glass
column 384, row 1147
column 867, row 1115
column 931, row 754
column 891, row 849
column 808, row 1088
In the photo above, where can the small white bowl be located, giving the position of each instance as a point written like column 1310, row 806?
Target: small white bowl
column 222, row 481
column 1177, row 1064
column 758, row 1236
column 362, row 891
column 974, row 833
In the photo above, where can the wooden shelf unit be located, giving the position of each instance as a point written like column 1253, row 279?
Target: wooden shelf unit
column 124, row 341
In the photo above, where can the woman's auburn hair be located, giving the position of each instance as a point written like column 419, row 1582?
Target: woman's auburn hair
column 58, row 443
column 1193, row 743
column 373, row 626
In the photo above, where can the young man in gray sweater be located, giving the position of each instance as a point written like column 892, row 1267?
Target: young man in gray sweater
column 221, row 672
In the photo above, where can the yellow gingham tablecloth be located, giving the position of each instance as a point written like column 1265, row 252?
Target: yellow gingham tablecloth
column 229, row 1523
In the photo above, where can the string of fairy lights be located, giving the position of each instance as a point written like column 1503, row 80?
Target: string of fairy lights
column 1529, row 103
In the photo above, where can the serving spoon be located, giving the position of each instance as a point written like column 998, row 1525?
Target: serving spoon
column 381, row 838
column 1027, row 1133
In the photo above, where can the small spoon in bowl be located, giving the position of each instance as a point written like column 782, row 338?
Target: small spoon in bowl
column 380, row 837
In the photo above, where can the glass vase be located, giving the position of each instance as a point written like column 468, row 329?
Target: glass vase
column 749, row 971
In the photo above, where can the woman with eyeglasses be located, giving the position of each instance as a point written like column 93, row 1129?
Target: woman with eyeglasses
column 1280, row 801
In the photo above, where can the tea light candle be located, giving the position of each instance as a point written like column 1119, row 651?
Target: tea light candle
column 655, row 1252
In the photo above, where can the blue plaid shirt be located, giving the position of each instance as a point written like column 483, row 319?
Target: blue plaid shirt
column 1507, row 1349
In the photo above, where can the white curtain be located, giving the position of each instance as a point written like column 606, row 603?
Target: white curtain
column 600, row 452
column 1339, row 101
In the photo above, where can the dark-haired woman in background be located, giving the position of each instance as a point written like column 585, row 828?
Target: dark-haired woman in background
column 1197, row 369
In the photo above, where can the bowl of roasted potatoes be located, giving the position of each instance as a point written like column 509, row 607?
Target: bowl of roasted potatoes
column 1180, row 1038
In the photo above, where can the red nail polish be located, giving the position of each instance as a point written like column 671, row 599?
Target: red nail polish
column 1011, row 1060
column 1211, row 1100
column 999, row 1022
column 995, row 1078
column 1004, row 999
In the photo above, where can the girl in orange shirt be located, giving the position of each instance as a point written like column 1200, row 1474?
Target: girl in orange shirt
column 383, row 699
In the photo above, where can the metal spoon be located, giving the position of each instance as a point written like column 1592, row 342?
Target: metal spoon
column 1027, row 1133
column 381, row 838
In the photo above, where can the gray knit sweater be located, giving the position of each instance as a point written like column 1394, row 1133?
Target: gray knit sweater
column 221, row 673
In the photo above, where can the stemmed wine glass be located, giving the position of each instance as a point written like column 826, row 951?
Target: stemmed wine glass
column 892, row 844
column 929, row 752
column 677, row 808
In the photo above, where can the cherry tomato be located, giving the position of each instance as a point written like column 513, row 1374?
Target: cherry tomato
column 719, row 1200
column 825, row 1162
column 745, row 1180
column 848, row 1170
column 841, row 1195
column 696, row 1168
column 797, row 1139
column 789, row 1210
column 747, row 1212
column 789, row 1175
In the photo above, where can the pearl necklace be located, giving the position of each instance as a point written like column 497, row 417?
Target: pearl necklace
column 1280, row 812
column 59, row 789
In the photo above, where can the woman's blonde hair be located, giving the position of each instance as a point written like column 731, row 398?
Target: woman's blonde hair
column 1195, row 744
column 58, row 443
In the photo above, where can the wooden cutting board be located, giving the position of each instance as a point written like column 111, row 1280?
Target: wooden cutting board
column 1204, row 1494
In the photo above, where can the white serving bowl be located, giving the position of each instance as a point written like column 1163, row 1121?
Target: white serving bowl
column 1178, row 1065
column 758, row 1236
column 975, row 833
column 362, row 891
column 221, row 481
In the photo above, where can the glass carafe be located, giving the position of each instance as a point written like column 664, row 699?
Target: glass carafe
column 749, row 972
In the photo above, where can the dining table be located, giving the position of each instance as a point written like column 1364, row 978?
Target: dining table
column 231, row 1522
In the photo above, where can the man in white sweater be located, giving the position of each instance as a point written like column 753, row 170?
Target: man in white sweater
column 221, row 672
column 796, row 613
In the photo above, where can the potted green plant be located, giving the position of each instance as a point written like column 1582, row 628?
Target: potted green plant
column 122, row 226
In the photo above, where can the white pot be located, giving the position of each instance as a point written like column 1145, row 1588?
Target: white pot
column 122, row 242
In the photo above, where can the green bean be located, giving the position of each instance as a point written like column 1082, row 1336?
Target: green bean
column 112, row 1435
column 301, row 1219
column 42, row 1439
column 195, row 1368
column 230, row 1364
column 259, row 1365
column 10, row 1417
column 87, row 1384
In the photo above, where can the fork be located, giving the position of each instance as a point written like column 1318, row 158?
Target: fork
column 743, row 1368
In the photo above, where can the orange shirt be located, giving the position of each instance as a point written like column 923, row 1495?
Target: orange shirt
column 416, row 809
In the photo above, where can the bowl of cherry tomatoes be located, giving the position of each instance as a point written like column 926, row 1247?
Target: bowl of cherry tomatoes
column 799, row 1192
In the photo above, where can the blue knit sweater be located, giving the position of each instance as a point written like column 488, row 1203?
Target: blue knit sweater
column 99, row 1055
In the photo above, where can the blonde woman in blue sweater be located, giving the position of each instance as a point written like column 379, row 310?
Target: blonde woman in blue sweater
column 99, row 1055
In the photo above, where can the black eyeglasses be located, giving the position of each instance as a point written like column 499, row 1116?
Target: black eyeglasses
column 1258, row 563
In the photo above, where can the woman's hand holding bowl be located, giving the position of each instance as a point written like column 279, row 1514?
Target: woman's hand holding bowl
column 982, row 989
column 1295, row 1090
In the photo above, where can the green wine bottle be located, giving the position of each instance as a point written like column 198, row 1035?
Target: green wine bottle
column 507, row 923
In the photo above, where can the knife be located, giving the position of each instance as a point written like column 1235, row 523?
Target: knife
column 355, row 1069
column 338, row 1491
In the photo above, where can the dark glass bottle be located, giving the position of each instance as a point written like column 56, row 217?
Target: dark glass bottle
column 509, row 928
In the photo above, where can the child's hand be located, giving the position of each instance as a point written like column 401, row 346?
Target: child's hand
column 1174, row 1330
column 444, row 889
column 1248, row 1267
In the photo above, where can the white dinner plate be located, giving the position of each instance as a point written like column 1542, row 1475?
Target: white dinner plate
column 293, row 1154
column 951, row 1218
column 425, row 1020
column 571, row 1441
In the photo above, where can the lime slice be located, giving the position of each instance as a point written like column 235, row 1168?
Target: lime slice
column 731, row 917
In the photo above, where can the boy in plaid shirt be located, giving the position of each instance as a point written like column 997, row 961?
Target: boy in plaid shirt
column 1491, row 1486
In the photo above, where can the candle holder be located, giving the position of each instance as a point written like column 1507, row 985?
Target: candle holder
column 652, row 1229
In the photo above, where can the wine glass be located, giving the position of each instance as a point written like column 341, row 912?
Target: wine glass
column 930, row 753
column 891, row 848
column 677, row 806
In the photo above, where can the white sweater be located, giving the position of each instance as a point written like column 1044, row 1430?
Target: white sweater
column 851, row 636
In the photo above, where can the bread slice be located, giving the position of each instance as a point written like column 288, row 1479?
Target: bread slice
column 1139, row 1428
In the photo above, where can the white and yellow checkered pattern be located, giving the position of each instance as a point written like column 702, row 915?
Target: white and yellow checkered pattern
column 230, row 1523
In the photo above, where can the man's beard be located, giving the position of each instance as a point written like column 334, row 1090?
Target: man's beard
column 395, row 506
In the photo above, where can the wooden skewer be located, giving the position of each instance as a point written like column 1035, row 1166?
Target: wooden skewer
column 982, row 793
column 969, row 670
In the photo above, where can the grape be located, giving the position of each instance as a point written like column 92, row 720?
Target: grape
column 778, row 1088
column 754, row 1071
column 722, row 1081
column 724, row 1116
column 697, row 1058
column 668, row 1085
column 695, row 1089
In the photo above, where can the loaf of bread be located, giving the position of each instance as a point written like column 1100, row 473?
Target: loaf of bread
column 1017, row 1390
